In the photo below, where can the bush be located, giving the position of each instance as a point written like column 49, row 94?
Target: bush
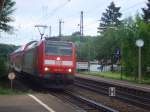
column 3, row 68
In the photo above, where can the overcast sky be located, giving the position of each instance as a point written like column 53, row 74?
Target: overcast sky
column 48, row 12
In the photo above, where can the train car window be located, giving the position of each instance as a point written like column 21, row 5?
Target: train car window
column 60, row 49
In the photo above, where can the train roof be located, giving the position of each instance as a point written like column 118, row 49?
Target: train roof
column 26, row 46
column 32, row 44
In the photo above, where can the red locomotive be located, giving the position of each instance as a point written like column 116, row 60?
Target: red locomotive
column 53, row 62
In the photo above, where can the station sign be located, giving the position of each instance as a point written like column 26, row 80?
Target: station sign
column 11, row 76
column 82, row 65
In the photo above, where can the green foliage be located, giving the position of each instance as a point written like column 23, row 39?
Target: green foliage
column 117, row 35
column 76, row 33
column 85, row 47
column 5, row 50
column 132, row 32
column 5, row 15
column 107, row 44
column 117, row 76
column 3, row 67
column 8, row 91
column 110, row 18
column 86, row 50
column 124, row 37
column 146, row 11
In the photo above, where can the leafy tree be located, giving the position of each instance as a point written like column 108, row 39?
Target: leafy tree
column 124, row 38
column 5, row 50
column 129, row 32
column 5, row 15
column 76, row 33
column 146, row 12
column 110, row 18
column 2, row 67
column 107, row 44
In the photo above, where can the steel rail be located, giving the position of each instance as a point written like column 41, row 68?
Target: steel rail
column 121, row 93
column 91, row 103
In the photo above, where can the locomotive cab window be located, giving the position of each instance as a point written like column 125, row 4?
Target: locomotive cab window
column 60, row 49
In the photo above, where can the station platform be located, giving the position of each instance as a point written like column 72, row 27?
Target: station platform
column 33, row 103
column 142, row 87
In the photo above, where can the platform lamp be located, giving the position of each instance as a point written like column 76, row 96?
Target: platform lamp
column 139, row 44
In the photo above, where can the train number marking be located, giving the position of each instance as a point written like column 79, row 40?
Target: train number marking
column 58, row 62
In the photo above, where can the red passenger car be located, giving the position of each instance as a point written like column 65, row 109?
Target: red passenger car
column 53, row 62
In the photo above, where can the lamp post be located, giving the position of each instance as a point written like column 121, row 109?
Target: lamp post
column 140, row 44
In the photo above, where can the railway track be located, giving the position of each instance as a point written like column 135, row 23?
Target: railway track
column 80, row 100
column 133, row 96
column 85, row 104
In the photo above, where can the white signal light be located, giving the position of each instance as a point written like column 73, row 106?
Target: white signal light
column 58, row 58
column 46, row 68
column 69, row 70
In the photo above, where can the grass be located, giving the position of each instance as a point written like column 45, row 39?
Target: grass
column 117, row 76
column 7, row 91
column 5, row 87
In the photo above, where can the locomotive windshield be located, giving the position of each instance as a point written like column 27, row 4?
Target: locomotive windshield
column 58, row 48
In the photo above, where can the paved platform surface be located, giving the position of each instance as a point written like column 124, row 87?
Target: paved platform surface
column 33, row 103
column 142, row 87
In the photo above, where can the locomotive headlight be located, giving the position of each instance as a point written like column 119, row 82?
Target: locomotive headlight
column 69, row 70
column 46, row 68
column 58, row 58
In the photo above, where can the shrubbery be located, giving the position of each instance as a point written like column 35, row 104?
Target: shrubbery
column 3, row 67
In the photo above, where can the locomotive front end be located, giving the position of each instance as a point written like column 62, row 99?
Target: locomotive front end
column 59, row 62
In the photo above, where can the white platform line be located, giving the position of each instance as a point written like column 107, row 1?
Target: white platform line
column 41, row 103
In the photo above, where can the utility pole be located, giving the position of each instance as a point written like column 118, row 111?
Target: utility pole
column 50, row 31
column 81, row 24
column 60, row 27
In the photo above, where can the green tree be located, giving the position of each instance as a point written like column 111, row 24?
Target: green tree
column 5, row 15
column 110, row 18
column 129, row 33
column 77, row 33
column 5, row 51
column 2, row 67
column 146, row 11
column 107, row 44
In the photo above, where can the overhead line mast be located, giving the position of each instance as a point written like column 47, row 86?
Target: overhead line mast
column 60, row 27
column 81, row 24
